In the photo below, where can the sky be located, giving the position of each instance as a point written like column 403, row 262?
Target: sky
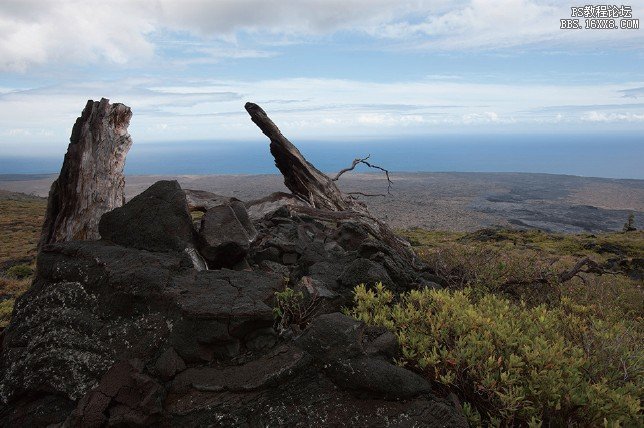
column 327, row 70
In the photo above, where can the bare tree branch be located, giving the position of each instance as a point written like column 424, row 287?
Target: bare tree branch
column 355, row 163
column 591, row 267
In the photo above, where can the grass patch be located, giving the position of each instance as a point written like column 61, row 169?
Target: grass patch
column 21, row 218
column 21, row 221
column 512, row 365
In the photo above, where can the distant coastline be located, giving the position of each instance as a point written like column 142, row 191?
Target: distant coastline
column 586, row 155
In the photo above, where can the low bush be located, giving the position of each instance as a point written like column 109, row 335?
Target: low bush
column 293, row 309
column 20, row 271
column 6, row 308
column 512, row 364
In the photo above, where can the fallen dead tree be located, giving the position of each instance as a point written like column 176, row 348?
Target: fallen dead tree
column 319, row 190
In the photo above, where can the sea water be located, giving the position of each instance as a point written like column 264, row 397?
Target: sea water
column 596, row 155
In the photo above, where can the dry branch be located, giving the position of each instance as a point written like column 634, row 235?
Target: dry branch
column 355, row 163
column 590, row 266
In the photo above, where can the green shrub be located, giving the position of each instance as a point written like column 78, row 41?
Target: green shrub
column 511, row 364
column 20, row 271
column 293, row 309
column 6, row 307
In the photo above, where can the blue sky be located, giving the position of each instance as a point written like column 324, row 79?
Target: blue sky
column 323, row 70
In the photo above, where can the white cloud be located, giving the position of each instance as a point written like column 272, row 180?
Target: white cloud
column 389, row 119
column 595, row 116
column 485, row 117
column 482, row 24
column 333, row 109
column 226, row 17
column 36, row 32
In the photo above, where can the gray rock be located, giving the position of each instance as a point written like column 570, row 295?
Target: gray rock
column 156, row 220
column 263, row 372
column 377, row 376
column 380, row 341
column 225, row 235
column 363, row 271
column 289, row 258
column 333, row 337
column 93, row 304
column 267, row 206
column 169, row 364
column 337, row 343
column 123, row 397
column 200, row 200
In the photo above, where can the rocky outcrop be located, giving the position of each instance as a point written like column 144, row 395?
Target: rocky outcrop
column 132, row 330
column 91, row 181
column 125, row 331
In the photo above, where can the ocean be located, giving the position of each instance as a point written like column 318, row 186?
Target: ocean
column 596, row 155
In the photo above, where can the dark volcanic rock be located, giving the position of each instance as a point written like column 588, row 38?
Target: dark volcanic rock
column 156, row 220
column 364, row 271
column 200, row 200
column 128, row 331
column 93, row 304
column 91, row 181
column 123, row 397
column 336, row 341
column 169, row 364
column 225, row 234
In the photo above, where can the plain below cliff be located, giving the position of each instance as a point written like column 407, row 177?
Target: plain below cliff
column 441, row 201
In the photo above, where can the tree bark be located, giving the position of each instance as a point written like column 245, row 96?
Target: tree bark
column 91, row 181
column 301, row 177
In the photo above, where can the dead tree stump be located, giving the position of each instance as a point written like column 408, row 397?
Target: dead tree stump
column 91, row 181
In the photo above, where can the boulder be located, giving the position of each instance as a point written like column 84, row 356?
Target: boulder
column 169, row 364
column 155, row 220
column 200, row 200
column 123, row 397
column 364, row 271
column 337, row 342
column 94, row 303
column 260, row 208
column 225, row 235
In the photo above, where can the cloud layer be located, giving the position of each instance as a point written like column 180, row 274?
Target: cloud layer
column 36, row 33
column 316, row 109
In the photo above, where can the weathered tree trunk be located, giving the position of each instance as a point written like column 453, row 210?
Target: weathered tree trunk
column 91, row 181
column 302, row 178
column 308, row 183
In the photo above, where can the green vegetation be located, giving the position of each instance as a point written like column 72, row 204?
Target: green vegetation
column 293, row 309
column 513, row 340
column 514, row 365
column 523, row 265
column 20, row 271
column 21, row 218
